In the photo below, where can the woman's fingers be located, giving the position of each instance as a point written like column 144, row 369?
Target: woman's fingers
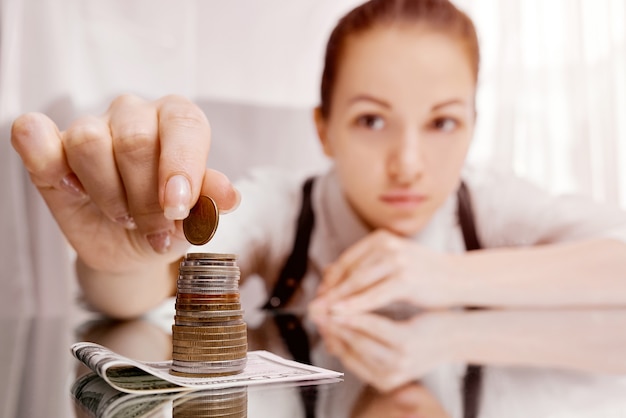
column 364, row 354
column 382, row 294
column 373, row 269
column 376, row 327
column 375, row 244
column 218, row 186
column 185, row 139
column 348, row 260
column 135, row 143
column 38, row 142
column 143, row 164
column 89, row 153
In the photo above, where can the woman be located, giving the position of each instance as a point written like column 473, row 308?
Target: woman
column 396, row 117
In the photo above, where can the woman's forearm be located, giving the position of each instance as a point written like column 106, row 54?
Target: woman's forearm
column 582, row 274
column 126, row 295
column 589, row 340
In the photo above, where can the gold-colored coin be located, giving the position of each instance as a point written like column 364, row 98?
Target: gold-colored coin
column 209, row 337
column 209, row 329
column 190, row 306
column 212, row 350
column 205, row 344
column 210, row 316
column 208, row 321
column 209, row 357
column 201, row 224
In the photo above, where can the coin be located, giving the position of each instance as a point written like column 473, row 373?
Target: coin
column 210, row 329
column 233, row 349
column 208, row 368
column 204, row 373
column 201, row 224
column 212, row 343
column 192, row 306
column 200, row 410
column 208, row 257
column 225, row 297
column 209, row 357
column 209, row 313
column 209, row 337
column 194, row 365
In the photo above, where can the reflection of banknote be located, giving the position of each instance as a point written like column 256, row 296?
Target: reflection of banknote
column 97, row 399
column 133, row 376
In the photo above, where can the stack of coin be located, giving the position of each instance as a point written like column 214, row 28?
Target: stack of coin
column 209, row 335
column 223, row 403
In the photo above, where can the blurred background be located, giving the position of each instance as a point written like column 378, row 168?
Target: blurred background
column 551, row 104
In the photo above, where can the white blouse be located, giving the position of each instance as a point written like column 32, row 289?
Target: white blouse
column 508, row 212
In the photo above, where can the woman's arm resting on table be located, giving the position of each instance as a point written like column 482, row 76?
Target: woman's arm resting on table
column 587, row 340
column 389, row 353
column 584, row 273
column 384, row 268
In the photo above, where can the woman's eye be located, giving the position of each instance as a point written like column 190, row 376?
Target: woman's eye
column 445, row 124
column 372, row 122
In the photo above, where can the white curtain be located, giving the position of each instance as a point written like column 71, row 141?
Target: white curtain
column 552, row 102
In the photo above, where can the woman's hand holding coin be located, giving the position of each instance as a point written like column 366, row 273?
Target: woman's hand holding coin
column 119, row 186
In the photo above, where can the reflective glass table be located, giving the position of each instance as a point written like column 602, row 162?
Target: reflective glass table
column 552, row 363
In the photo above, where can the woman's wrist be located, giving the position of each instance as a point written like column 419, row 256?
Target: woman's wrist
column 126, row 295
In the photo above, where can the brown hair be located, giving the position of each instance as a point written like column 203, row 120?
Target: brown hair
column 439, row 15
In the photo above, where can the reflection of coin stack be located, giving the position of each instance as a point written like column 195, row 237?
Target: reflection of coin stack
column 209, row 335
column 223, row 403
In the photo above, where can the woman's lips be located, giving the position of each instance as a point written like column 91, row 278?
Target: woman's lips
column 403, row 199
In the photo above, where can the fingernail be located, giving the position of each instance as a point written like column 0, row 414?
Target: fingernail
column 126, row 221
column 71, row 184
column 235, row 206
column 177, row 197
column 160, row 242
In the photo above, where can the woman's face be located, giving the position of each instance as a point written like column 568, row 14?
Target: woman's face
column 401, row 120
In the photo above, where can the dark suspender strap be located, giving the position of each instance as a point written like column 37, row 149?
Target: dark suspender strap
column 466, row 219
column 296, row 265
column 295, row 337
column 295, row 269
column 472, row 381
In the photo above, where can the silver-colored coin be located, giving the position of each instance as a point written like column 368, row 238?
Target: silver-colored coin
column 218, row 364
column 206, row 269
column 211, row 256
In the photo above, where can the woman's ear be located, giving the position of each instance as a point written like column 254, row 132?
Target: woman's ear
column 322, row 130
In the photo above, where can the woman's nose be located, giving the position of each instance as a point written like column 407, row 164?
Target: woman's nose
column 406, row 163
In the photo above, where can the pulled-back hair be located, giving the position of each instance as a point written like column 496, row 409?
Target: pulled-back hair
column 437, row 15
